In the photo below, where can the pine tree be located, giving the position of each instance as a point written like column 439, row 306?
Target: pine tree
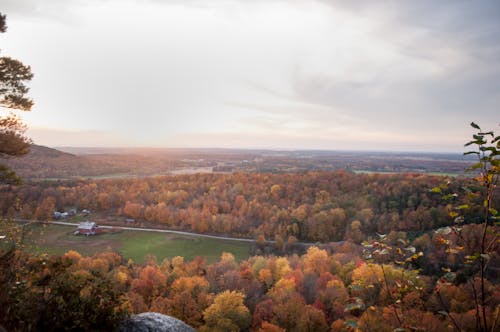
column 13, row 97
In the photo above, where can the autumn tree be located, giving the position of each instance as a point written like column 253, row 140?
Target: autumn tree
column 268, row 327
column 13, row 90
column 480, row 252
column 312, row 320
column 316, row 260
column 151, row 283
column 189, row 299
column 227, row 313
column 58, row 294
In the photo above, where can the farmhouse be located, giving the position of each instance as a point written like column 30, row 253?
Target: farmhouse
column 87, row 228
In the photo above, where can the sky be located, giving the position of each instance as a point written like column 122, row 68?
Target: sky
column 272, row 74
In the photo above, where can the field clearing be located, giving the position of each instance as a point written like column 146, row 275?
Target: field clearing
column 191, row 170
column 451, row 174
column 58, row 239
column 108, row 176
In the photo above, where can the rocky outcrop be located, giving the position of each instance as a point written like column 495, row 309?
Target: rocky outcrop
column 153, row 321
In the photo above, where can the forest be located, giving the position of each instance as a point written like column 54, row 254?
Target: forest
column 322, row 290
column 393, row 252
column 309, row 206
column 389, row 254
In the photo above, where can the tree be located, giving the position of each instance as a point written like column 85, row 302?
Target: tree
column 41, row 293
column 268, row 327
column 312, row 320
column 189, row 299
column 489, row 167
column 227, row 313
column 13, row 96
column 487, row 150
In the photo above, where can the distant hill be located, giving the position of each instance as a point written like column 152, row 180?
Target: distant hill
column 46, row 163
column 40, row 151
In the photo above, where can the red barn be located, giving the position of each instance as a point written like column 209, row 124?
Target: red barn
column 87, row 228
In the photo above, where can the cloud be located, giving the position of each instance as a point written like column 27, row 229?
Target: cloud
column 276, row 73
column 62, row 11
column 440, row 60
column 86, row 138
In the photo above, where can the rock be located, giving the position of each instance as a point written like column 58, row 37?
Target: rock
column 153, row 321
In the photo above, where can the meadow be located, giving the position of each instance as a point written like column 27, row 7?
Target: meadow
column 135, row 245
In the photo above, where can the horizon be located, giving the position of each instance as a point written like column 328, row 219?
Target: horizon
column 320, row 75
column 249, row 149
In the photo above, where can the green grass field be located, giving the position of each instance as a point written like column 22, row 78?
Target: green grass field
column 56, row 239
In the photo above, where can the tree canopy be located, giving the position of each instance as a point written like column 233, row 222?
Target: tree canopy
column 13, row 97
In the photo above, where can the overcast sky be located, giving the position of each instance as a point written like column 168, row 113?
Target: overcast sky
column 364, row 75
